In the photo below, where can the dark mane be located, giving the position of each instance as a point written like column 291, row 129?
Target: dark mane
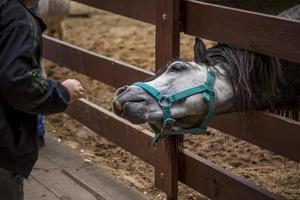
column 257, row 78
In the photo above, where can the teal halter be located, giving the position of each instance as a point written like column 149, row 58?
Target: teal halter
column 166, row 101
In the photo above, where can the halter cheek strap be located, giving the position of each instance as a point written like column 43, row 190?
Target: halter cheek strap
column 166, row 101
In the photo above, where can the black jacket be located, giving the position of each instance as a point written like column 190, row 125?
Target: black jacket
column 23, row 91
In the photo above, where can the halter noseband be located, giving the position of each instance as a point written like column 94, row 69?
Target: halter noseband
column 166, row 101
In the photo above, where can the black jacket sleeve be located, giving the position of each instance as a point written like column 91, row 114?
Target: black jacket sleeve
column 21, row 83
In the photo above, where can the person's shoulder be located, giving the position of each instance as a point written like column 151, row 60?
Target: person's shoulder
column 13, row 14
column 4, row 4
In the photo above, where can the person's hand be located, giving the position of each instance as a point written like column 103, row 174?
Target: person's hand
column 75, row 89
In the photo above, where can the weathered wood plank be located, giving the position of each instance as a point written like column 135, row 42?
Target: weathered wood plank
column 139, row 10
column 97, row 182
column 35, row 191
column 50, row 176
column 261, row 33
column 106, row 70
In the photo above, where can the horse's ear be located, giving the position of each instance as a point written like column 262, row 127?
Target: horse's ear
column 199, row 51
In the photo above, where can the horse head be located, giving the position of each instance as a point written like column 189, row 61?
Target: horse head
column 137, row 105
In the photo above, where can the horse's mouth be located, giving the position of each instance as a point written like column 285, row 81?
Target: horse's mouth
column 133, row 111
column 126, row 107
column 118, row 108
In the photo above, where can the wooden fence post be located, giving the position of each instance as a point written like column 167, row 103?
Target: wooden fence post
column 167, row 47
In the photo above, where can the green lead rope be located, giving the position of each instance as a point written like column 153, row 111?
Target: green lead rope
column 165, row 101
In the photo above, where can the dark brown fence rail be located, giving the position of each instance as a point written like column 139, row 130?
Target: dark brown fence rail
column 135, row 9
column 258, row 32
column 262, row 33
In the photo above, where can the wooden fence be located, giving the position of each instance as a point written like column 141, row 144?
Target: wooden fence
column 261, row 33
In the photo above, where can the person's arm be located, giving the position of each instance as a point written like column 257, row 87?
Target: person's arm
column 21, row 85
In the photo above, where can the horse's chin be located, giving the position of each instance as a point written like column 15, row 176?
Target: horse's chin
column 180, row 123
column 188, row 122
column 134, row 112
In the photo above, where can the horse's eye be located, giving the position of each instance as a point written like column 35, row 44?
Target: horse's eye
column 177, row 67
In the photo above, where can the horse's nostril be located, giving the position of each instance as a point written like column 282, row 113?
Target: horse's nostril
column 121, row 90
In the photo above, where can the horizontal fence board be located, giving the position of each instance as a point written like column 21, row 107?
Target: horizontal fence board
column 136, row 9
column 278, row 134
column 199, row 173
column 261, row 33
column 101, row 68
column 217, row 183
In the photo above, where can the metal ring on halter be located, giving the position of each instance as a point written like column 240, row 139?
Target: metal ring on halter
column 165, row 101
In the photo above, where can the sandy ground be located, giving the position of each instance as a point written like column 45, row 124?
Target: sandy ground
column 133, row 42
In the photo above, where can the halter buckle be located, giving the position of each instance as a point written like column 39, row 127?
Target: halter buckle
column 164, row 101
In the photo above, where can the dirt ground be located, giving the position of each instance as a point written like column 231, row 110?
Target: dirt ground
column 133, row 42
